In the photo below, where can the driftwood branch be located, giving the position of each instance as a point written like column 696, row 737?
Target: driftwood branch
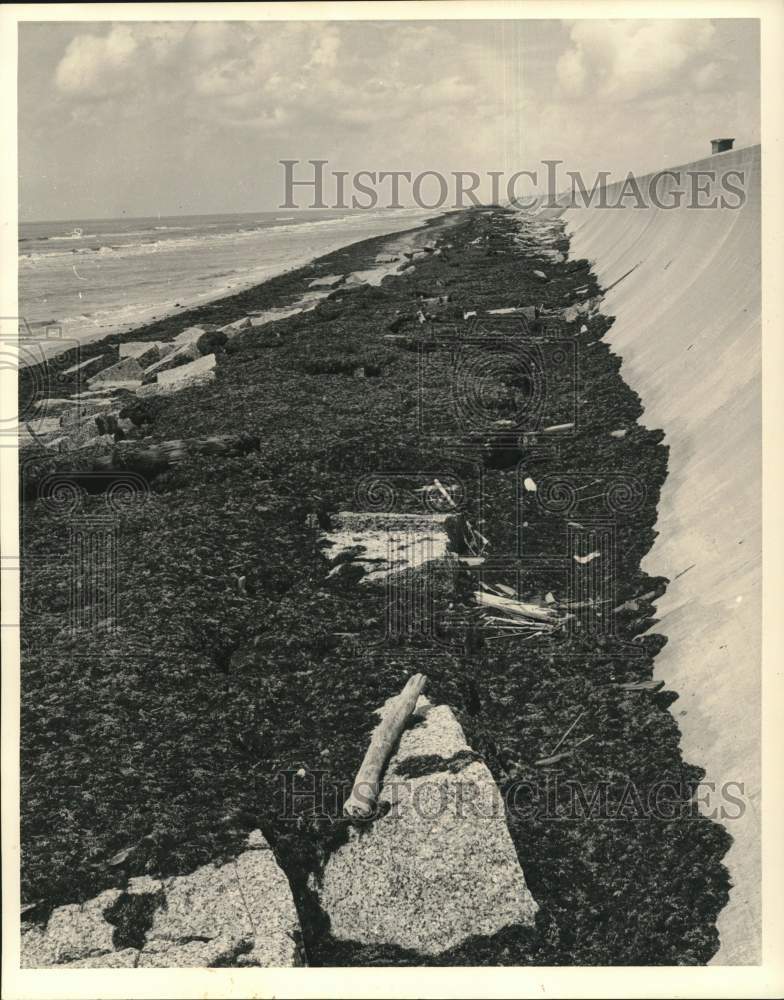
column 362, row 801
column 143, row 458
column 554, row 758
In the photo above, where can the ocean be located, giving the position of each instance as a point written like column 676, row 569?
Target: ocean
column 93, row 277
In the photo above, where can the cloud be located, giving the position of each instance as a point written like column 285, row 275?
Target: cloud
column 630, row 60
column 128, row 104
column 267, row 75
column 93, row 61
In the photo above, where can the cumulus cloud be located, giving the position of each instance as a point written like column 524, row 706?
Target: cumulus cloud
column 128, row 104
column 266, row 75
column 633, row 59
column 96, row 61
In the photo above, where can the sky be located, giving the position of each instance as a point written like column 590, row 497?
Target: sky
column 169, row 118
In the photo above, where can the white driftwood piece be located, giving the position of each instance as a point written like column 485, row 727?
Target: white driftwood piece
column 516, row 609
column 362, row 800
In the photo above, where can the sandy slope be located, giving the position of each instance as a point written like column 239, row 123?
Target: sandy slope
column 688, row 330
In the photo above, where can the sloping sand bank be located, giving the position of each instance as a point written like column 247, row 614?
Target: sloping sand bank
column 684, row 286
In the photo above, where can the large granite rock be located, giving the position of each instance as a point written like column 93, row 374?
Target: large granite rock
column 73, row 933
column 192, row 334
column 244, row 907
column 187, row 351
column 440, row 866
column 197, row 372
column 240, row 914
column 232, row 329
column 86, row 406
column 126, row 373
column 55, row 407
column 43, row 431
column 145, row 352
column 90, row 366
column 327, row 281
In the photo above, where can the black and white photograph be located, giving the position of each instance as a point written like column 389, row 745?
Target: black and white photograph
column 382, row 445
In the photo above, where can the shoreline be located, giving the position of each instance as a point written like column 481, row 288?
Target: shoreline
column 215, row 690
column 243, row 284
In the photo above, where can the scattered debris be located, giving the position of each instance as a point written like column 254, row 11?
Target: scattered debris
column 515, row 616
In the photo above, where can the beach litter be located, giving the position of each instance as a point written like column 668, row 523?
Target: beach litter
column 506, row 615
column 584, row 560
column 651, row 686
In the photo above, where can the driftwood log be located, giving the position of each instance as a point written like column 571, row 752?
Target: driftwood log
column 362, row 802
column 153, row 459
column 97, row 473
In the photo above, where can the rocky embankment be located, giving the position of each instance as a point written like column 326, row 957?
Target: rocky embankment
column 416, row 454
